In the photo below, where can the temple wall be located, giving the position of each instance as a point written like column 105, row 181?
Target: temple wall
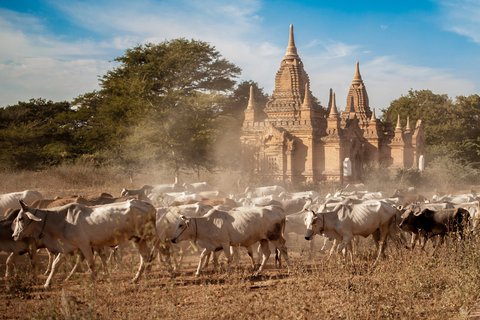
column 397, row 155
column 333, row 161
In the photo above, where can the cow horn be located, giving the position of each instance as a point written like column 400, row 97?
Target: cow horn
column 23, row 205
column 418, row 212
column 337, row 207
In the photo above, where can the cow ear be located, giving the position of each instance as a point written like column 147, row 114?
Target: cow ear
column 32, row 217
column 342, row 213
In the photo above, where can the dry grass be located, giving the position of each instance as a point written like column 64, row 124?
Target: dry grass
column 407, row 285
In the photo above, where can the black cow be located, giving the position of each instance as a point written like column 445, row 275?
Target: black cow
column 428, row 223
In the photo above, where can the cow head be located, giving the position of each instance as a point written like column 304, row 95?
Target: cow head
column 26, row 223
column 313, row 223
column 408, row 217
column 182, row 229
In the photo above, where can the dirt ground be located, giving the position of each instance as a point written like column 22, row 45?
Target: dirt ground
column 310, row 289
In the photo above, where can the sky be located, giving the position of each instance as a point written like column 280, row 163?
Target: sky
column 57, row 49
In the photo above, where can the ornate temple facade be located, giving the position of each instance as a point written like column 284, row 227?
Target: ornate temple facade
column 291, row 140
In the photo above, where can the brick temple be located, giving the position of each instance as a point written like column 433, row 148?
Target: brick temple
column 291, row 140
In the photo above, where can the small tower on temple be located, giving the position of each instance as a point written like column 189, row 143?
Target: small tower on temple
column 250, row 110
column 357, row 100
column 333, row 119
column 398, row 147
column 306, row 108
column 333, row 144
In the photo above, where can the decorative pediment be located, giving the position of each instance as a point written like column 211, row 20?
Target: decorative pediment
column 273, row 135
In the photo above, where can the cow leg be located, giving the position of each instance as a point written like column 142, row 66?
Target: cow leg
column 344, row 243
column 282, row 250
column 278, row 258
column 145, row 256
column 51, row 256
column 325, row 242
column 32, row 253
column 413, row 240
column 226, row 250
column 265, row 255
column 382, row 241
column 250, row 254
column 214, row 257
column 9, row 263
column 56, row 262
column 164, row 255
column 349, row 251
column 77, row 263
column 354, row 245
column 333, row 248
column 87, row 252
column 311, row 248
column 235, row 252
column 201, row 261
column 102, row 253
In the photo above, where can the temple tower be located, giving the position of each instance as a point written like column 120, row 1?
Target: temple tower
column 373, row 134
column 250, row 110
column 398, row 147
column 333, row 144
column 357, row 100
column 290, row 82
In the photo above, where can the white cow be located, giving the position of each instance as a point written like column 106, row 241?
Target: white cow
column 244, row 227
column 346, row 221
column 77, row 227
column 264, row 191
column 259, row 201
column 311, row 194
column 197, row 186
column 166, row 222
column 154, row 194
column 14, row 248
column 11, row 200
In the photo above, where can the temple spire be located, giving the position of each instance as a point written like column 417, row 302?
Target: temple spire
column 357, row 78
column 398, row 127
column 374, row 117
column 407, row 128
column 333, row 110
column 251, row 99
column 291, row 48
column 307, row 100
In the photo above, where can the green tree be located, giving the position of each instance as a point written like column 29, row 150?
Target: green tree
column 36, row 134
column 160, row 103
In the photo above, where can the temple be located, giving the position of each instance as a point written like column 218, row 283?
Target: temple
column 292, row 140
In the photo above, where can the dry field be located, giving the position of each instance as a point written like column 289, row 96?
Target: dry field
column 406, row 285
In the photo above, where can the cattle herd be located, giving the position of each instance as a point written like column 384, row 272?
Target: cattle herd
column 164, row 220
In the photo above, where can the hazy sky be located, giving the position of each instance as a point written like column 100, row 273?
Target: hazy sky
column 58, row 49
